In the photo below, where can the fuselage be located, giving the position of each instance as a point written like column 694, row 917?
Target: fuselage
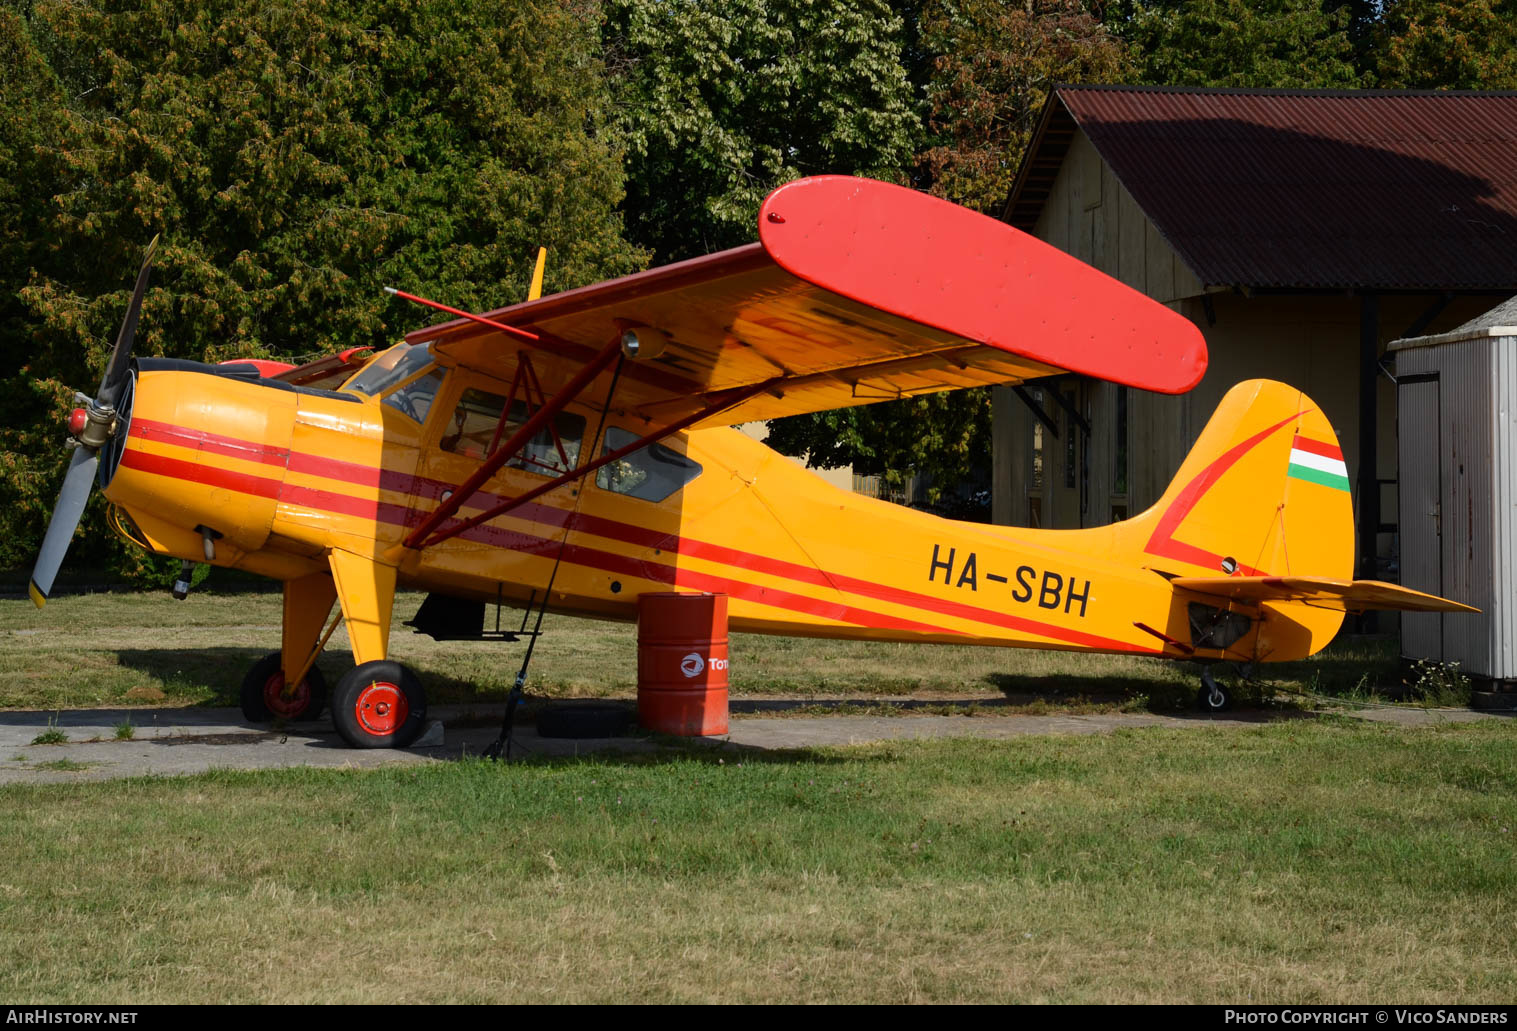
column 275, row 477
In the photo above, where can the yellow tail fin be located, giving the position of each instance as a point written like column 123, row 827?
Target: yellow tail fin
column 1264, row 492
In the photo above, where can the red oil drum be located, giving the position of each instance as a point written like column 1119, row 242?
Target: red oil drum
column 682, row 663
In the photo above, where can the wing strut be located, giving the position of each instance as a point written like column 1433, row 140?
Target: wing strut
column 518, row 440
column 526, row 380
column 723, row 401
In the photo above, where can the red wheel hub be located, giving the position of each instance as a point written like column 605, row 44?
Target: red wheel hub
column 285, row 706
column 381, row 708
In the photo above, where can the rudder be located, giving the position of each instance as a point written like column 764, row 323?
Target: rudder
column 1264, row 491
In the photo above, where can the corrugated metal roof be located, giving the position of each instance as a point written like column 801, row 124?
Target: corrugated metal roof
column 1500, row 321
column 1299, row 189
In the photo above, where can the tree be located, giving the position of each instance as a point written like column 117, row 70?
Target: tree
column 298, row 156
column 1305, row 44
column 30, row 121
column 724, row 100
column 994, row 67
column 1469, row 44
column 943, row 437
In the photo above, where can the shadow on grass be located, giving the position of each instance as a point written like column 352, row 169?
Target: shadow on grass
column 1122, row 691
column 213, row 676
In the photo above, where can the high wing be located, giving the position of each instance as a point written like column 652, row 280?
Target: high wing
column 857, row 291
column 1347, row 595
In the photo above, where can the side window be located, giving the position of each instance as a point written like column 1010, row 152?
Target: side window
column 472, row 433
column 473, row 425
column 651, row 473
column 415, row 398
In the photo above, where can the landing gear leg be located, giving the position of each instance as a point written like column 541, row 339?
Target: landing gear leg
column 379, row 703
column 267, row 690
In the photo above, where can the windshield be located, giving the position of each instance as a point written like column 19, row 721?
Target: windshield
column 390, row 368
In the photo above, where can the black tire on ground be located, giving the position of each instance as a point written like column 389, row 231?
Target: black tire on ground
column 1213, row 697
column 263, row 697
column 379, row 705
column 584, row 719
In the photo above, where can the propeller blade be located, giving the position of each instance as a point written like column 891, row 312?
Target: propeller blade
column 121, row 355
column 66, row 515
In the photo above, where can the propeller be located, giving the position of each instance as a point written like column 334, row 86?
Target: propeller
column 93, row 427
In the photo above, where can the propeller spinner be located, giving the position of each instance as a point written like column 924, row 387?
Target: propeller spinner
column 93, row 426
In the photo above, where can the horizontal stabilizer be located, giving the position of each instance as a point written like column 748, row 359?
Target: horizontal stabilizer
column 1348, row 595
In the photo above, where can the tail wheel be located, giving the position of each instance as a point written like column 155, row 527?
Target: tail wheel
column 379, row 705
column 264, row 697
column 1213, row 697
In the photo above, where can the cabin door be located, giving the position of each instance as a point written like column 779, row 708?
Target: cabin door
column 1420, row 479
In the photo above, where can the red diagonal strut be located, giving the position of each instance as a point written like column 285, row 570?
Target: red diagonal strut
column 508, row 330
column 724, row 401
column 517, row 441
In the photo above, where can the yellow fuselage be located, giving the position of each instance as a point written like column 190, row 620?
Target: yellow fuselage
column 279, row 478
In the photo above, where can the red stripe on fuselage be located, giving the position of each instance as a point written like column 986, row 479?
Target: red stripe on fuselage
column 200, row 440
column 196, row 472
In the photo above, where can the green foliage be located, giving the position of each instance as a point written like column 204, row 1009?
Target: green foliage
column 723, row 100
column 63, row 766
column 53, row 735
column 945, row 437
column 1439, row 683
column 1471, row 44
column 297, row 157
column 1279, row 43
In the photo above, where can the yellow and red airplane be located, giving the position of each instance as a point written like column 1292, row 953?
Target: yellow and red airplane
column 576, row 451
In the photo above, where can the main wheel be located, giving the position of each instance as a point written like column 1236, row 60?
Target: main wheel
column 379, row 705
column 264, row 698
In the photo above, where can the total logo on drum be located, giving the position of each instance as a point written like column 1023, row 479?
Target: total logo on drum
column 692, row 664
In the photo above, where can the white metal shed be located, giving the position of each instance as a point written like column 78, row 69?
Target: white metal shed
column 1457, row 427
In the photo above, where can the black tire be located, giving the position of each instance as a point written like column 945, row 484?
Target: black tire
column 584, row 720
column 379, row 705
column 1213, row 696
column 263, row 699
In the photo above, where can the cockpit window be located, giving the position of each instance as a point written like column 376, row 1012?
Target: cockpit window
column 396, row 365
column 651, row 473
column 415, row 398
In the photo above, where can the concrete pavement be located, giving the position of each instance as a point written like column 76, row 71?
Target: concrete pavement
column 184, row 741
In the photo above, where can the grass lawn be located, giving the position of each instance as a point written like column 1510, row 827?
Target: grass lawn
column 147, row 649
column 1305, row 861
